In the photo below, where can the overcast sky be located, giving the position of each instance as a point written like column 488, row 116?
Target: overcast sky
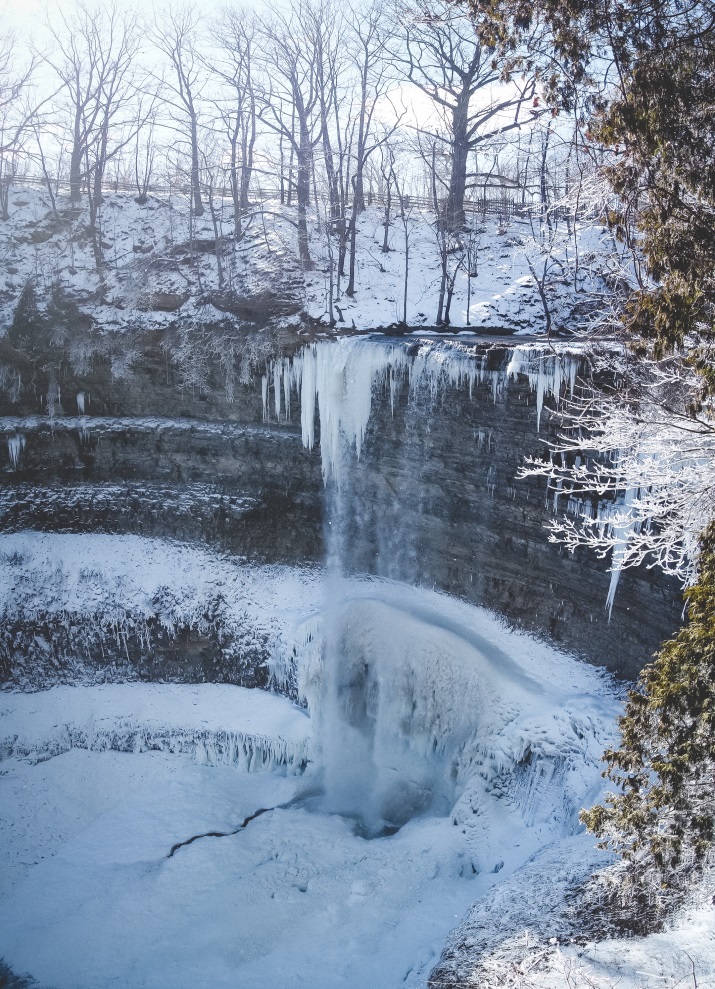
column 27, row 16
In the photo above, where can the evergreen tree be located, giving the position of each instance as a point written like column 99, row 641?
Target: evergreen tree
column 656, row 113
column 662, row 820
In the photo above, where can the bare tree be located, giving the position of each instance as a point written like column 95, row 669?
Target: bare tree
column 16, row 115
column 236, row 35
column 175, row 34
column 144, row 153
column 449, row 251
column 94, row 58
column 292, row 101
column 405, row 217
column 372, row 37
column 447, row 60
column 325, row 35
column 211, row 169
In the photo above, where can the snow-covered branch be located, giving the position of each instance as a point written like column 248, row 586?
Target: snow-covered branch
column 634, row 470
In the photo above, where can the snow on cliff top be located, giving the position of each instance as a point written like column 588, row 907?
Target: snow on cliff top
column 161, row 266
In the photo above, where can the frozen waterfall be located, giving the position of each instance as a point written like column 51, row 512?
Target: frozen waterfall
column 338, row 379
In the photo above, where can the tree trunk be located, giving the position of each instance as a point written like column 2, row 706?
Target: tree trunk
column 454, row 218
column 217, row 236
column 305, row 155
column 235, row 188
column 358, row 194
column 248, row 143
column 76, row 156
column 388, row 204
column 198, row 206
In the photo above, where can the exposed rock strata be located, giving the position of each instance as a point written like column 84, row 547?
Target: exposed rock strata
column 433, row 499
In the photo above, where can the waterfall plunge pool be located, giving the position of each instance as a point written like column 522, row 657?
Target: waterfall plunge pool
column 410, row 710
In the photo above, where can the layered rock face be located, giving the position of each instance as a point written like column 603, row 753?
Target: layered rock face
column 432, row 499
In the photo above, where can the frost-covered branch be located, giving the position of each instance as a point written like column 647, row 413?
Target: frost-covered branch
column 635, row 470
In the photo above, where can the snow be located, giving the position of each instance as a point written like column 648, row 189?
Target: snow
column 149, row 242
column 220, row 724
column 524, row 934
column 481, row 743
column 118, row 582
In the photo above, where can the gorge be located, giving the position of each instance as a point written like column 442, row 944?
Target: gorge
column 278, row 599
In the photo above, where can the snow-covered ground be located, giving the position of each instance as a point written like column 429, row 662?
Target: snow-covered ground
column 524, row 934
column 157, row 257
column 100, row 782
column 416, row 710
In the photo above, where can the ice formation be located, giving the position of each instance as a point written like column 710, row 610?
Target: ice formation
column 15, row 446
column 338, row 379
column 548, row 372
column 618, row 519
column 217, row 725
column 413, row 702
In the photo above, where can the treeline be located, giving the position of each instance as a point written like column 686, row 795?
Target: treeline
column 322, row 103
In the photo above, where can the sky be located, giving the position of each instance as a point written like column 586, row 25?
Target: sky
column 28, row 15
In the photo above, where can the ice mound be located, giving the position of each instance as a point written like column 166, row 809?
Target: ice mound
column 216, row 724
column 417, row 703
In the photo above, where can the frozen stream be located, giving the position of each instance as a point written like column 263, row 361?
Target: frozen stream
column 481, row 743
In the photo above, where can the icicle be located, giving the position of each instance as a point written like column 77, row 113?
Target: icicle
column 339, row 378
column 557, row 493
column 308, row 372
column 277, row 392
column 286, row 390
column 573, row 366
column 621, row 529
column 612, row 587
column 15, row 446
column 264, row 394
column 80, row 403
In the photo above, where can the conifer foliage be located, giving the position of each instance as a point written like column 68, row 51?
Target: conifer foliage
column 662, row 820
column 653, row 111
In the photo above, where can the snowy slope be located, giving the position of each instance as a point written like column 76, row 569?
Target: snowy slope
column 161, row 267
column 525, row 934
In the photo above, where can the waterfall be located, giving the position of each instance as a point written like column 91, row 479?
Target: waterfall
column 388, row 742
column 338, row 379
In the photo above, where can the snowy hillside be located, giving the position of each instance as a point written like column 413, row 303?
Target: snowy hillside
column 161, row 266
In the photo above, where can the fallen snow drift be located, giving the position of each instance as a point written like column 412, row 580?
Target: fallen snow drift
column 215, row 723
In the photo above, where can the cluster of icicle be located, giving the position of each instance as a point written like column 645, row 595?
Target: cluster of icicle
column 338, row 379
column 15, row 446
column 246, row 751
